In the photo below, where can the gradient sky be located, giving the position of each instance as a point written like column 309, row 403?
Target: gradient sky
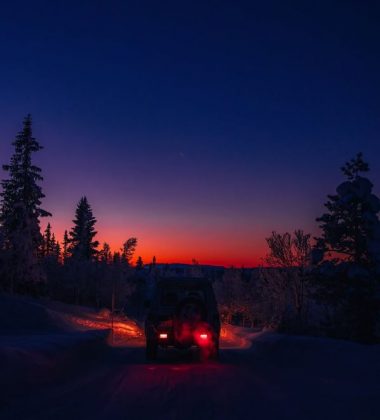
column 197, row 126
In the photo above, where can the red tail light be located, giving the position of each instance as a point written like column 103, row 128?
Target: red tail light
column 203, row 336
column 163, row 335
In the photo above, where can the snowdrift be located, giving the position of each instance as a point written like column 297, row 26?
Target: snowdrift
column 37, row 359
column 41, row 341
column 20, row 315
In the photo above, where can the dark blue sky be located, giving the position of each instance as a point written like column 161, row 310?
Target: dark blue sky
column 185, row 120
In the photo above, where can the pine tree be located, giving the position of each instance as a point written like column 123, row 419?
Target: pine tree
column 351, row 227
column 56, row 252
column 82, row 246
column 47, row 242
column 347, row 281
column 21, row 209
column 152, row 266
column 139, row 264
column 65, row 252
column 53, row 244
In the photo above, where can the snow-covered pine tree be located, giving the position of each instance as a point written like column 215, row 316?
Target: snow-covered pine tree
column 82, row 246
column 351, row 226
column 348, row 257
column 20, row 210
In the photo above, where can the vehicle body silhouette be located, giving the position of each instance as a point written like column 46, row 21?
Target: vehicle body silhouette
column 183, row 313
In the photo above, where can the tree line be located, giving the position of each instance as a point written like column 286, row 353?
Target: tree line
column 37, row 263
column 327, row 285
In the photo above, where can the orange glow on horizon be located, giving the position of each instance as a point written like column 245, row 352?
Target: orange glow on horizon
column 169, row 246
column 176, row 252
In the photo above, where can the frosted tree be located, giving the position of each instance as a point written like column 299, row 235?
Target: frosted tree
column 82, row 245
column 234, row 295
column 20, row 210
column 283, row 285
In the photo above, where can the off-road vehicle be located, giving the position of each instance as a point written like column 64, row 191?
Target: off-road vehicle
column 183, row 313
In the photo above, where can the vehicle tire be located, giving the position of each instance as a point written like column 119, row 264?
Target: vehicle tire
column 151, row 350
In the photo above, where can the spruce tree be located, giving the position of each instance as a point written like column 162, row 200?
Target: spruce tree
column 20, row 210
column 139, row 264
column 348, row 254
column 47, row 242
column 82, row 245
column 152, row 266
column 65, row 251
column 351, row 226
column 56, row 251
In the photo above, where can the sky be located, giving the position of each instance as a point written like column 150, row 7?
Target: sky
column 197, row 126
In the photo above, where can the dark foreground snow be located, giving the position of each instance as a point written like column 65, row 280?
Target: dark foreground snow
column 277, row 377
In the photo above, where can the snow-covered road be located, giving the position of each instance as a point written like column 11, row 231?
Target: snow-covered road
column 278, row 377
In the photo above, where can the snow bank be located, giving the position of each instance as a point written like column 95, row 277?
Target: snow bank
column 24, row 315
column 234, row 337
column 35, row 359
column 39, row 343
column 349, row 365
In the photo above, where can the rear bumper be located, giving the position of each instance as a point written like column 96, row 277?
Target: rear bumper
column 166, row 337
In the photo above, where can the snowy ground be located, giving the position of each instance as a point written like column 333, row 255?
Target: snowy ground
column 266, row 376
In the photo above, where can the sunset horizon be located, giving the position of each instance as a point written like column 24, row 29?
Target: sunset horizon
column 208, row 238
